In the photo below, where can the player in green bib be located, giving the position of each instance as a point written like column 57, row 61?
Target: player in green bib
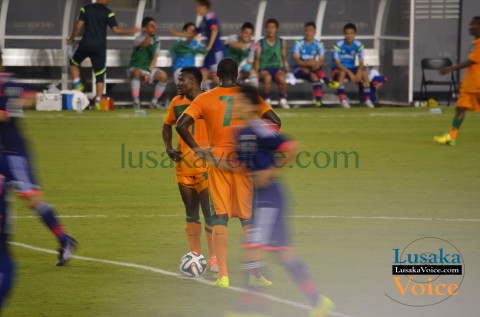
column 270, row 57
column 241, row 49
column 143, row 62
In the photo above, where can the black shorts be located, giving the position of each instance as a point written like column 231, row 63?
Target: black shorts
column 97, row 56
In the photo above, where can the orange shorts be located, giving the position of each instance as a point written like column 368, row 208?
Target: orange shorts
column 469, row 101
column 198, row 182
column 231, row 193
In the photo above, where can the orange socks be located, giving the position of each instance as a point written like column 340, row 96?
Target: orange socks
column 193, row 229
column 453, row 133
column 220, row 242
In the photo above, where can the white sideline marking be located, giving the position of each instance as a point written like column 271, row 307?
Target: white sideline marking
column 168, row 273
column 295, row 216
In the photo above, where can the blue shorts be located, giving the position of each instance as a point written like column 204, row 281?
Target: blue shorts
column 18, row 171
column 6, row 277
column 269, row 231
column 299, row 73
column 271, row 71
column 212, row 59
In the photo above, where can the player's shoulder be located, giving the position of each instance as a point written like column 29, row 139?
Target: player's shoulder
column 210, row 15
column 317, row 42
column 339, row 43
column 357, row 43
column 179, row 100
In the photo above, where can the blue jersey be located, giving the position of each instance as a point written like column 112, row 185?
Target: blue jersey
column 257, row 144
column 11, row 140
column 210, row 22
column 308, row 52
column 346, row 54
column 184, row 54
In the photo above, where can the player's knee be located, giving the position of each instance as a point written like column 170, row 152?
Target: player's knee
column 220, row 220
column 161, row 76
column 100, row 78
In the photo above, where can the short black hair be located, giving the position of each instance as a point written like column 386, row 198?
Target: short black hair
column 205, row 3
column 227, row 69
column 147, row 20
column 274, row 21
column 248, row 25
column 251, row 93
column 194, row 72
column 186, row 25
column 311, row 23
column 350, row 26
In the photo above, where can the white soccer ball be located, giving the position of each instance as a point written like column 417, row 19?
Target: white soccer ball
column 193, row 264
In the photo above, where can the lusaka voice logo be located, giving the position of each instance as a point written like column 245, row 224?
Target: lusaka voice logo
column 426, row 272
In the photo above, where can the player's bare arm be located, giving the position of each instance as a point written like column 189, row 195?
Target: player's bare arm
column 454, row 68
column 272, row 117
column 76, row 30
column 182, row 125
column 213, row 37
column 284, row 57
column 173, row 153
column 256, row 63
column 121, row 31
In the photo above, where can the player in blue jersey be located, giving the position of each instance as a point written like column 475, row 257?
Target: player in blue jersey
column 15, row 160
column 344, row 54
column 309, row 57
column 210, row 28
column 185, row 50
column 7, row 267
column 261, row 152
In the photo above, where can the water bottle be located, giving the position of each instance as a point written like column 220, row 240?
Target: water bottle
column 79, row 105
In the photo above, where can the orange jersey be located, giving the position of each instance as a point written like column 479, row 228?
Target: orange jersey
column 216, row 107
column 471, row 81
column 199, row 132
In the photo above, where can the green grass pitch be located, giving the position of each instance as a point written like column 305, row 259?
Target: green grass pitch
column 403, row 187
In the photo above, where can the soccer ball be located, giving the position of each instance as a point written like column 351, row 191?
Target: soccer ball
column 193, row 264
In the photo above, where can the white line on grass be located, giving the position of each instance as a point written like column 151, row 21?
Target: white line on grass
column 297, row 216
column 168, row 273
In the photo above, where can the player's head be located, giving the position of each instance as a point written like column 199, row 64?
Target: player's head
column 349, row 31
column 475, row 26
column 247, row 102
column 202, row 7
column 149, row 25
column 246, row 32
column 227, row 70
column 189, row 27
column 189, row 79
column 309, row 31
column 104, row 2
column 271, row 27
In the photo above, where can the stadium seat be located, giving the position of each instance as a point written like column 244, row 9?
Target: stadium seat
column 435, row 64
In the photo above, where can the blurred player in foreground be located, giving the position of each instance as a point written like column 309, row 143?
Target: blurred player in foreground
column 7, row 266
column 258, row 149
column 15, row 159
column 143, row 64
column 469, row 97
column 230, row 192
column 192, row 181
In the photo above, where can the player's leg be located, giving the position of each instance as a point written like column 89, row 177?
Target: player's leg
column 366, row 88
column 7, row 269
column 340, row 76
column 220, row 183
column 136, row 81
column 266, row 78
column 99, row 62
column 78, row 57
column 253, row 77
column 20, row 172
column 160, row 78
column 281, row 81
column 201, row 186
column 205, row 79
column 450, row 138
column 193, row 226
column 317, row 87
